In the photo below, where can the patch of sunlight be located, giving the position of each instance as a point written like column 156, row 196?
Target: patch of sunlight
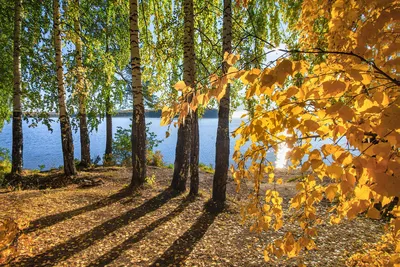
column 238, row 114
column 281, row 160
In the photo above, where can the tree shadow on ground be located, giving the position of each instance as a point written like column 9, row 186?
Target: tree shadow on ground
column 74, row 245
column 177, row 253
column 115, row 252
column 50, row 220
column 102, row 169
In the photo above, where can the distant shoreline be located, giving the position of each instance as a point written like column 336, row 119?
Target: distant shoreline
column 209, row 113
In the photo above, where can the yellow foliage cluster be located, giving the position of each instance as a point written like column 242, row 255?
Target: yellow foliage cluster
column 378, row 254
column 9, row 232
column 350, row 103
column 190, row 99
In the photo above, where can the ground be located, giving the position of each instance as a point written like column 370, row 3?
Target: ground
column 104, row 225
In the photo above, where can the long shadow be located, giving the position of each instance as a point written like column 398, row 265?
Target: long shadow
column 74, row 245
column 184, row 245
column 50, row 220
column 115, row 252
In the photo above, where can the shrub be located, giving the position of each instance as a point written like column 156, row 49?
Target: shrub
column 206, row 168
column 122, row 147
column 108, row 160
column 151, row 181
column 154, row 158
column 5, row 164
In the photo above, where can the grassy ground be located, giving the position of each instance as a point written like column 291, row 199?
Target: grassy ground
column 104, row 225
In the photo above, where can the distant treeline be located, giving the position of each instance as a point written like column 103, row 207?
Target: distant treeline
column 209, row 113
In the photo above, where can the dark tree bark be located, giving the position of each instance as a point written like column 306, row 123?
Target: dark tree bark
column 222, row 145
column 138, row 120
column 82, row 95
column 194, row 156
column 108, row 152
column 17, row 137
column 85, row 140
column 182, row 157
column 183, row 146
column 66, row 133
column 108, row 157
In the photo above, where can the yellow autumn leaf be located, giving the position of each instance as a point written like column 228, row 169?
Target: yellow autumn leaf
column 345, row 158
column 364, row 104
column 202, row 99
column 296, row 110
column 316, row 163
column 291, row 91
column 334, row 171
column 232, row 72
column 214, row 80
column 363, row 192
column 330, row 191
column 226, row 55
column 181, row 85
column 311, row 125
column 346, row 113
column 366, row 78
column 300, row 66
column 266, row 257
column 334, row 87
column 390, row 117
column 335, row 220
column 328, row 149
column 267, row 80
column 334, row 108
column 355, row 74
column 373, row 213
column 381, row 98
column 382, row 149
column 250, row 76
column 230, row 58
column 285, row 66
column 305, row 166
column 165, row 116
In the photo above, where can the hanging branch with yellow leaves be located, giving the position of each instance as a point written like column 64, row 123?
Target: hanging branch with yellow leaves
column 350, row 101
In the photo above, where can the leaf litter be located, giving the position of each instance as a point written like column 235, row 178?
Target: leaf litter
column 106, row 226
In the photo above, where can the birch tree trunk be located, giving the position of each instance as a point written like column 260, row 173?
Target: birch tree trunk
column 17, row 137
column 138, row 120
column 66, row 133
column 222, row 144
column 82, row 94
column 108, row 153
column 194, row 156
column 108, row 157
column 183, row 146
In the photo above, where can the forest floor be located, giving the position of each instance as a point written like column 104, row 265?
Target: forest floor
column 104, row 225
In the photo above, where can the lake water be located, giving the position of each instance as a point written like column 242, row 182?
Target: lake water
column 42, row 147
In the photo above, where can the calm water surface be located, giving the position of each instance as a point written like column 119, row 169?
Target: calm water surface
column 42, row 147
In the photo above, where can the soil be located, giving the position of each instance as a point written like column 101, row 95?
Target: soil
column 106, row 225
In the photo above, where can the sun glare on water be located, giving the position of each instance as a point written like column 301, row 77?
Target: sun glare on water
column 281, row 154
column 280, row 162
